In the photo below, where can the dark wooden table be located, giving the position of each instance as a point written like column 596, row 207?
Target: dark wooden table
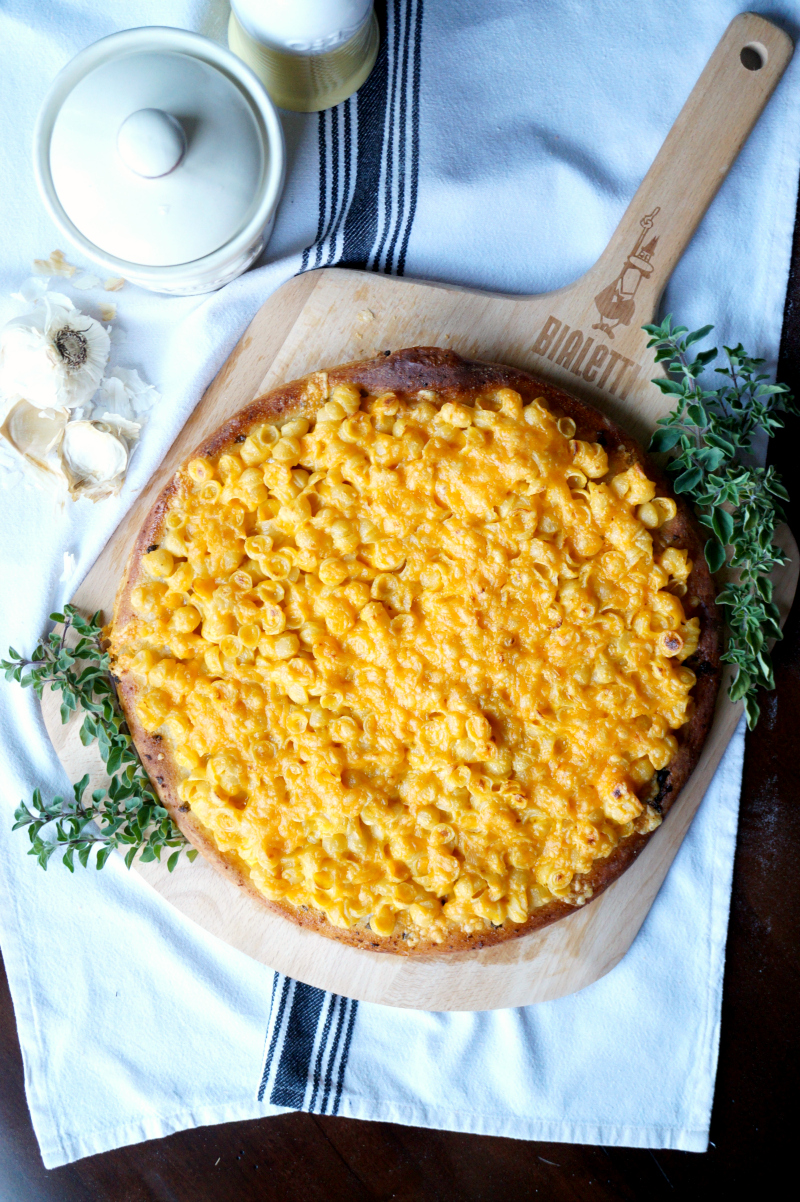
column 305, row 1158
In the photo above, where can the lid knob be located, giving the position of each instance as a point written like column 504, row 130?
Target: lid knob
column 151, row 142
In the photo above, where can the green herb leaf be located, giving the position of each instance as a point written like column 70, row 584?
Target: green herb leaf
column 715, row 555
column 688, row 480
column 665, row 439
column 697, row 336
column 722, row 525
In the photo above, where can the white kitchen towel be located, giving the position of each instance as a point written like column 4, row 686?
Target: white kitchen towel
column 496, row 145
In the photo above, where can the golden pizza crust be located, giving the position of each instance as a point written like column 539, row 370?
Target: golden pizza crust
column 451, row 378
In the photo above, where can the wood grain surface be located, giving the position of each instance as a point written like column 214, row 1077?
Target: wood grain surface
column 588, row 339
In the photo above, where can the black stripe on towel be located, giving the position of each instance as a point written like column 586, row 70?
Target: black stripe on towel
column 345, row 1054
column 389, row 146
column 285, row 986
column 331, row 121
column 322, row 151
column 344, row 113
column 341, row 1006
column 402, row 136
column 291, row 1079
column 361, row 226
column 323, row 1044
column 416, row 71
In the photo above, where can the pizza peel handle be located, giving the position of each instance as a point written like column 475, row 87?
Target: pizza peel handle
column 588, row 336
column 697, row 154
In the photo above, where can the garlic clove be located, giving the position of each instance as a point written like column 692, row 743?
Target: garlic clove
column 33, row 431
column 94, row 460
column 35, row 434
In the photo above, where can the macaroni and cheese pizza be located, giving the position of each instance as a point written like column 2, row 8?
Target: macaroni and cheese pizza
column 419, row 650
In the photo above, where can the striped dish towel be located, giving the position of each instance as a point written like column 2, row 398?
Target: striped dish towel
column 494, row 146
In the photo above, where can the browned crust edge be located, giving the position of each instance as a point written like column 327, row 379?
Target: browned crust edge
column 450, row 376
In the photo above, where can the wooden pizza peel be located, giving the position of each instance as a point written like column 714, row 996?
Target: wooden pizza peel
column 586, row 338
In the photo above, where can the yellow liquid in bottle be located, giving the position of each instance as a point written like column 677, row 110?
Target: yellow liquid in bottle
column 308, row 83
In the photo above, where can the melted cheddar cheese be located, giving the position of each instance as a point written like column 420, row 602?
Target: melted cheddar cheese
column 419, row 663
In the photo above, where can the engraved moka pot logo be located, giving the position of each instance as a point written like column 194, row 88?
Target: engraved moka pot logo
column 586, row 355
column 616, row 304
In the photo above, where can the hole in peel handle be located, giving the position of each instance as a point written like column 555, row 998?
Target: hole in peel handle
column 753, row 56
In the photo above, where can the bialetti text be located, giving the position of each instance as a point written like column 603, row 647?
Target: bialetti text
column 582, row 356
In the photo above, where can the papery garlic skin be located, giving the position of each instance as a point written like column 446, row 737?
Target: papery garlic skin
column 125, row 429
column 54, row 356
column 69, row 568
column 125, row 393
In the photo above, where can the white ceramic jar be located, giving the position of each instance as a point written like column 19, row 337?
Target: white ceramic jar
column 160, row 156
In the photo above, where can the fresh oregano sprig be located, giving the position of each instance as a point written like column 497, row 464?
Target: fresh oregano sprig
column 710, row 434
column 128, row 814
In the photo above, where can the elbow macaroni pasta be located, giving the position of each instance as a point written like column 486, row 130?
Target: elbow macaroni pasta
column 418, row 664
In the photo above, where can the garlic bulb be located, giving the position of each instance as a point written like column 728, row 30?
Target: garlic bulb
column 53, row 356
column 94, row 456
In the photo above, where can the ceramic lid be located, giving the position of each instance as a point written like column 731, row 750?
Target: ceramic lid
column 157, row 155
